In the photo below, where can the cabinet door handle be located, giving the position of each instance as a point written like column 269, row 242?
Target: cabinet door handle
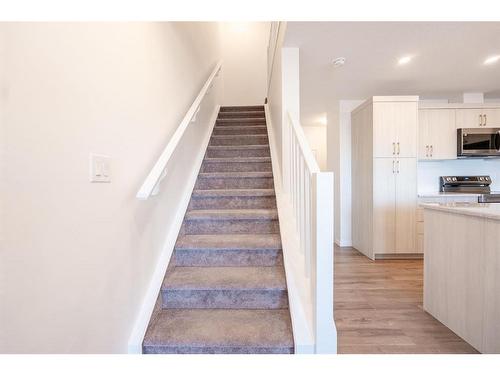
column 398, row 166
column 485, row 120
column 398, row 148
column 480, row 120
column 427, row 151
column 393, row 171
column 393, row 148
column 432, row 151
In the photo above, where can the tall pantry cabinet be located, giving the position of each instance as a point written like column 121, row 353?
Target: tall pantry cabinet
column 384, row 176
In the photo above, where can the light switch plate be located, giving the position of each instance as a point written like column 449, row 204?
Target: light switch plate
column 100, row 168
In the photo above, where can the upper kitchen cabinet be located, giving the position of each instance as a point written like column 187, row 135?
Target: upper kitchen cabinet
column 478, row 118
column 437, row 134
column 395, row 126
column 491, row 117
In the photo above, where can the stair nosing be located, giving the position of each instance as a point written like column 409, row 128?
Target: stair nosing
column 240, row 159
column 252, row 126
column 264, row 174
column 241, row 119
column 238, row 146
column 233, row 192
column 237, row 135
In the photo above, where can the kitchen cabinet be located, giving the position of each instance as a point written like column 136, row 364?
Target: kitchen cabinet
column 395, row 129
column 478, row 118
column 437, row 198
column 395, row 203
column 406, row 205
column 462, row 273
column 491, row 323
column 384, row 176
column 437, row 134
column 384, row 207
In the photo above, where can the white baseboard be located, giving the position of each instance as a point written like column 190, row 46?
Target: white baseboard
column 343, row 243
column 142, row 321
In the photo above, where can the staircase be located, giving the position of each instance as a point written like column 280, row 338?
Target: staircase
column 225, row 288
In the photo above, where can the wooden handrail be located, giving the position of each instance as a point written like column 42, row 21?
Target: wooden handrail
column 157, row 173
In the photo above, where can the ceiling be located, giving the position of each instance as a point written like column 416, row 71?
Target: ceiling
column 447, row 61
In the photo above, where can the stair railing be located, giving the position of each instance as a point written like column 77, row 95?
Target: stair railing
column 309, row 194
column 152, row 182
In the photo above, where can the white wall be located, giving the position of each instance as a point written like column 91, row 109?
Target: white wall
column 316, row 137
column 77, row 256
column 333, row 160
column 244, row 51
column 275, row 94
column 339, row 161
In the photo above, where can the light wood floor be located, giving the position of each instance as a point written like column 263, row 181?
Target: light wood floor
column 378, row 308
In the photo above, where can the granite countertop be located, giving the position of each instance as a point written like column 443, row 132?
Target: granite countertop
column 486, row 210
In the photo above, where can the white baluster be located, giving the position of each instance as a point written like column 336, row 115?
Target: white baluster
column 301, row 204
column 307, row 200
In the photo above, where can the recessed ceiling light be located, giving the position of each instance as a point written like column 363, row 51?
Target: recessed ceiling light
column 404, row 60
column 492, row 60
column 339, row 61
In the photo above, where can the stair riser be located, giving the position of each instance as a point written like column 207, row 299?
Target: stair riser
column 243, row 130
column 235, row 114
column 208, row 167
column 224, row 299
column 240, row 122
column 238, row 140
column 258, row 108
column 232, row 202
column 242, row 153
column 234, row 183
column 211, row 226
column 228, row 258
column 162, row 349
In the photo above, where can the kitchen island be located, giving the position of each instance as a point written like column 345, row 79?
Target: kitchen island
column 462, row 270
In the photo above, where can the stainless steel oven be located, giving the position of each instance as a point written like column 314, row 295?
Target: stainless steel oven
column 478, row 142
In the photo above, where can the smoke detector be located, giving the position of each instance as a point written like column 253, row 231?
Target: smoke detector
column 339, row 61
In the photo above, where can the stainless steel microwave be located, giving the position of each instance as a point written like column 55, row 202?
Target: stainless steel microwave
column 478, row 142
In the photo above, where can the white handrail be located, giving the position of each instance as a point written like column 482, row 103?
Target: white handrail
column 272, row 43
column 312, row 164
column 157, row 173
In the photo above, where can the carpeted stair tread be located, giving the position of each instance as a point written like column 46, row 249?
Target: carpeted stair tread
column 236, row 174
column 250, row 126
column 221, row 331
column 254, row 257
column 233, row 151
column 238, row 147
column 239, row 139
column 233, row 214
column 252, row 159
column 241, row 114
column 233, row 193
column 225, row 278
column 229, row 242
column 246, row 121
column 237, row 136
column 242, row 108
